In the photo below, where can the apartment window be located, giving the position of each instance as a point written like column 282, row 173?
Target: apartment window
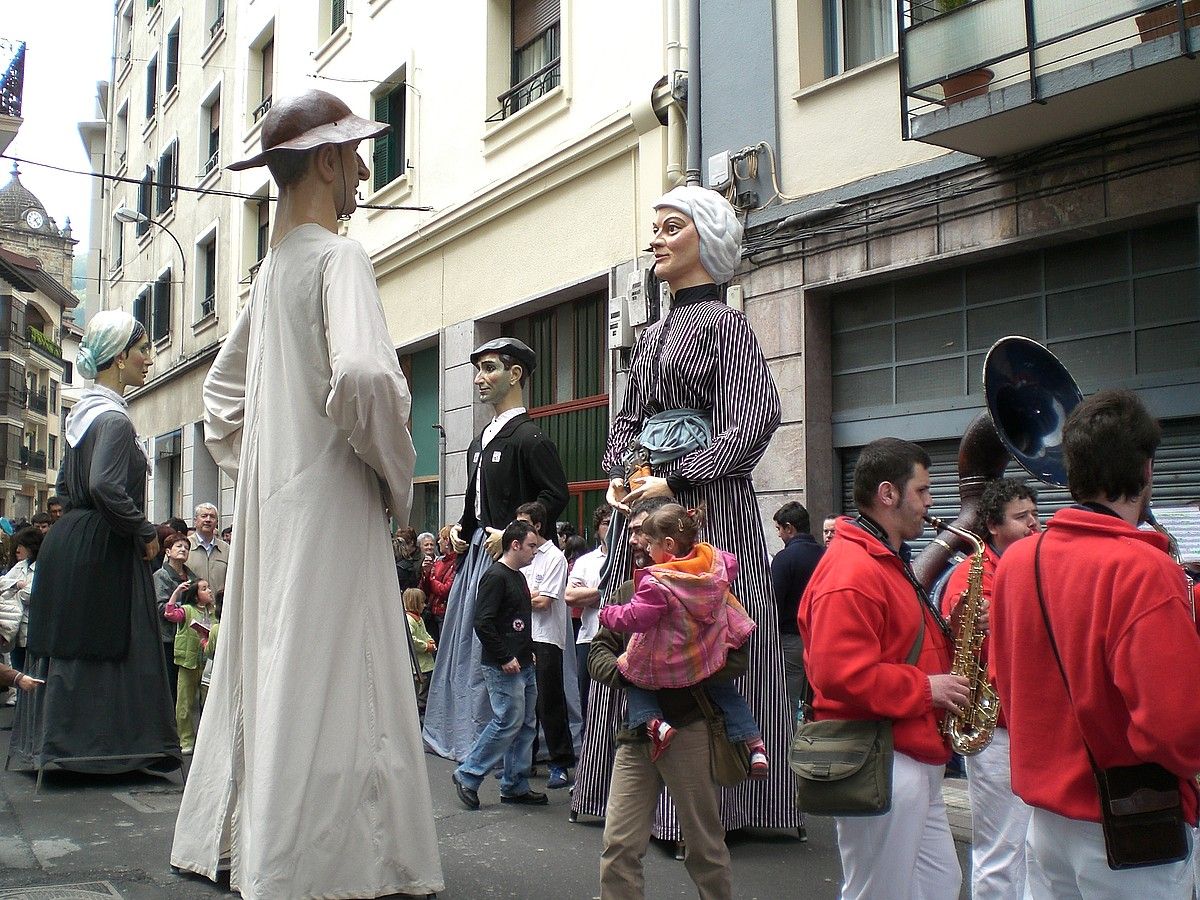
column 145, row 188
column 125, row 38
column 150, row 4
column 211, row 117
column 266, row 79
column 337, row 14
column 160, row 315
column 53, row 398
column 536, row 44
column 215, row 17
column 117, row 247
column 151, row 87
column 389, row 157
column 857, row 32
column 141, row 308
column 52, row 455
column 168, row 175
column 208, row 286
column 121, row 136
column 172, row 70
column 263, row 241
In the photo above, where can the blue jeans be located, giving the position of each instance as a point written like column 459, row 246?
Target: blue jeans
column 509, row 736
column 739, row 720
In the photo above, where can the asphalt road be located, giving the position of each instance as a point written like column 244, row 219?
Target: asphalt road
column 110, row 837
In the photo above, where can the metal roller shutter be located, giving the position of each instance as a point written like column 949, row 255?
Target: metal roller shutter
column 1176, row 475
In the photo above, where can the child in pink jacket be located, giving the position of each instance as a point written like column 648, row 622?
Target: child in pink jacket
column 684, row 622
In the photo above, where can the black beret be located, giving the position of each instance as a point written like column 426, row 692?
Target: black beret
column 518, row 350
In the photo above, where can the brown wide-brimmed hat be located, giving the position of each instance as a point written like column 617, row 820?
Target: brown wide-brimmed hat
column 306, row 121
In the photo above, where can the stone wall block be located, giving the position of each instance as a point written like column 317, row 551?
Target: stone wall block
column 782, row 466
column 1055, row 204
column 788, row 373
column 777, row 323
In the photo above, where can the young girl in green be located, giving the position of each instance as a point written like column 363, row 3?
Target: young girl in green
column 197, row 621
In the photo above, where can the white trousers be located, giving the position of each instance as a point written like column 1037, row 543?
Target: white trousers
column 999, row 825
column 908, row 851
column 1068, row 861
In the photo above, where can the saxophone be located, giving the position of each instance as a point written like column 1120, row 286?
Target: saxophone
column 972, row 730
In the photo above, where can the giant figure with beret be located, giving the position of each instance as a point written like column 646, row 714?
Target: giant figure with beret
column 702, row 406
column 511, row 462
column 309, row 776
column 93, row 621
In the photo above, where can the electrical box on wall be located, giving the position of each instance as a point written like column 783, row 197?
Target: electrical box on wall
column 720, row 172
column 637, row 299
column 620, row 332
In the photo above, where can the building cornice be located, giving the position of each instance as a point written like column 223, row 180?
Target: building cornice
column 608, row 140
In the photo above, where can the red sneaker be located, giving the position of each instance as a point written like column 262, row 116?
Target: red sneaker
column 661, row 734
column 760, row 766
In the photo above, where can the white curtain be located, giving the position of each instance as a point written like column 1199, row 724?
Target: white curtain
column 869, row 31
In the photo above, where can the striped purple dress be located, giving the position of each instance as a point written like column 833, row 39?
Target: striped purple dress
column 704, row 356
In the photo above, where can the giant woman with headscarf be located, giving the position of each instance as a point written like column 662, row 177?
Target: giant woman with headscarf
column 93, row 623
column 702, row 403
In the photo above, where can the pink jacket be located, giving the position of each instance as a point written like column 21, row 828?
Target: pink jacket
column 684, row 619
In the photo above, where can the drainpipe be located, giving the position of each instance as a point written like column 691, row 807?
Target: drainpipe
column 693, row 95
column 676, row 129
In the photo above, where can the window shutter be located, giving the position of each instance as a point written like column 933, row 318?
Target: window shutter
column 382, row 148
column 530, row 18
column 140, row 312
column 337, row 10
column 161, row 314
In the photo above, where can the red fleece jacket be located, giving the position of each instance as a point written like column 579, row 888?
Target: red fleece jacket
column 1121, row 618
column 957, row 583
column 859, row 618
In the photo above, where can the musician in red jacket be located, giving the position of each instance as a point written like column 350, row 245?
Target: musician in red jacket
column 860, row 618
column 1121, row 620
column 999, row 819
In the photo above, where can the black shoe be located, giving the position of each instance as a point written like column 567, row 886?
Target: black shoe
column 469, row 797
column 529, row 798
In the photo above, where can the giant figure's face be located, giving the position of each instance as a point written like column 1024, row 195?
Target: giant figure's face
column 676, row 248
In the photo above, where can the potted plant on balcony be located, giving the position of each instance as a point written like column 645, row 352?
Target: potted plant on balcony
column 1164, row 20
column 969, row 84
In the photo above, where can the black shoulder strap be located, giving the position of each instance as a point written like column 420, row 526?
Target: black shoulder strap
column 1037, row 578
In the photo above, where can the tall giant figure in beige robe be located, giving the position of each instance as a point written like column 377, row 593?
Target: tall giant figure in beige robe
column 309, row 774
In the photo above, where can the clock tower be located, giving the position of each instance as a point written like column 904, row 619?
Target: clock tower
column 27, row 228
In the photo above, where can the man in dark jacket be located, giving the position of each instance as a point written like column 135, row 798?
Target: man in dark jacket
column 685, row 769
column 512, row 462
column 790, row 570
column 502, row 623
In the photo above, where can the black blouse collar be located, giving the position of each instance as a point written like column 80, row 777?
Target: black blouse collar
column 697, row 294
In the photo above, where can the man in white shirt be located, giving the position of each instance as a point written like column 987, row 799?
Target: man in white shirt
column 583, row 593
column 552, row 633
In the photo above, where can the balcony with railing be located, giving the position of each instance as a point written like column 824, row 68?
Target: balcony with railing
column 41, row 342
column 33, row 460
column 520, row 95
column 12, row 81
column 994, row 77
column 39, row 402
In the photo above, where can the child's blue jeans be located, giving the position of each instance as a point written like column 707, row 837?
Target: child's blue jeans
column 642, row 706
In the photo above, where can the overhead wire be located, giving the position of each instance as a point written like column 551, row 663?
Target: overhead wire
column 203, row 191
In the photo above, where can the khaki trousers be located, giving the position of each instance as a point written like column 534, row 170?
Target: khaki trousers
column 686, row 771
column 186, row 705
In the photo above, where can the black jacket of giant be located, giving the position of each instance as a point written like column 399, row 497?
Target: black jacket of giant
column 520, row 465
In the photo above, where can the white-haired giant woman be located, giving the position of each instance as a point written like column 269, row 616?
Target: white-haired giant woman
column 93, row 624
column 701, row 400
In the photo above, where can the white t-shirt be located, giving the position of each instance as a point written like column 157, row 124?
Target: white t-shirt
column 492, row 429
column 548, row 574
column 586, row 573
